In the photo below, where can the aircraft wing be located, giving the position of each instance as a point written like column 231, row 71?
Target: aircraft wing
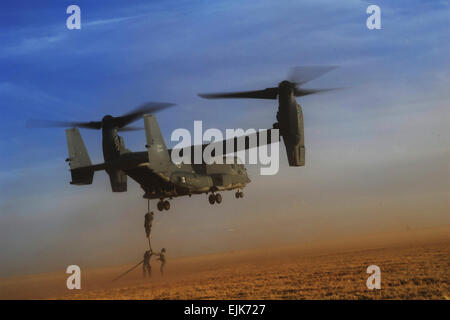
column 239, row 143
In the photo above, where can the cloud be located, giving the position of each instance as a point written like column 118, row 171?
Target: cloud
column 29, row 42
column 106, row 22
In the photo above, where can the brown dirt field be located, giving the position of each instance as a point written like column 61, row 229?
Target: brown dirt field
column 414, row 265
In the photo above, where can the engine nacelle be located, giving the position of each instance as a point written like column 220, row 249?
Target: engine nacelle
column 294, row 139
column 118, row 180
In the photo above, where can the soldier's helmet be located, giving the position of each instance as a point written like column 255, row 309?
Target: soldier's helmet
column 163, row 250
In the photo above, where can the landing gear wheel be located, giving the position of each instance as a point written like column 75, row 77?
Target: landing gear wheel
column 166, row 205
column 218, row 198
column 241, row 194
column 211, row 199
column 237, row 195
column 160, row 205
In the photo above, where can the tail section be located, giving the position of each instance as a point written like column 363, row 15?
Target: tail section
column 81, row 167
column 158, row 155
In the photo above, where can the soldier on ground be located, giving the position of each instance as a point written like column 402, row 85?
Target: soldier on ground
column 146, row 267
column 162, row 258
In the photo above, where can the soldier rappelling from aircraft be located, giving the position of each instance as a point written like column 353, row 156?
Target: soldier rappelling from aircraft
column 148, row 222
column 146, row 267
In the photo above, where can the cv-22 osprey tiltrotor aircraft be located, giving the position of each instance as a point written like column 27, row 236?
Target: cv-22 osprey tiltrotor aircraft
column 162, row 179
column 153, row 169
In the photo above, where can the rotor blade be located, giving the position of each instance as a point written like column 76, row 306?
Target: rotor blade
column 300, row 92
column 37, row 123
column 269, row 93
column 148, row 107
column 303, row 74
column 130, row 129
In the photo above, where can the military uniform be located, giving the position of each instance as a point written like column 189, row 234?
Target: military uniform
column 148, row 221
column 162, row 258
column 146, row 267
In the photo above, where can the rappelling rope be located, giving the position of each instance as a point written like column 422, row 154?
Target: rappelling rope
column 149, row 244
column 134, row 267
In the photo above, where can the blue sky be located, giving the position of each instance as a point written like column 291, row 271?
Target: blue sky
column 385, row 137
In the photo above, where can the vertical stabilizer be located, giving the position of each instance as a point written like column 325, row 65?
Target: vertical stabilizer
column 158, row 155
column 80, row 164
